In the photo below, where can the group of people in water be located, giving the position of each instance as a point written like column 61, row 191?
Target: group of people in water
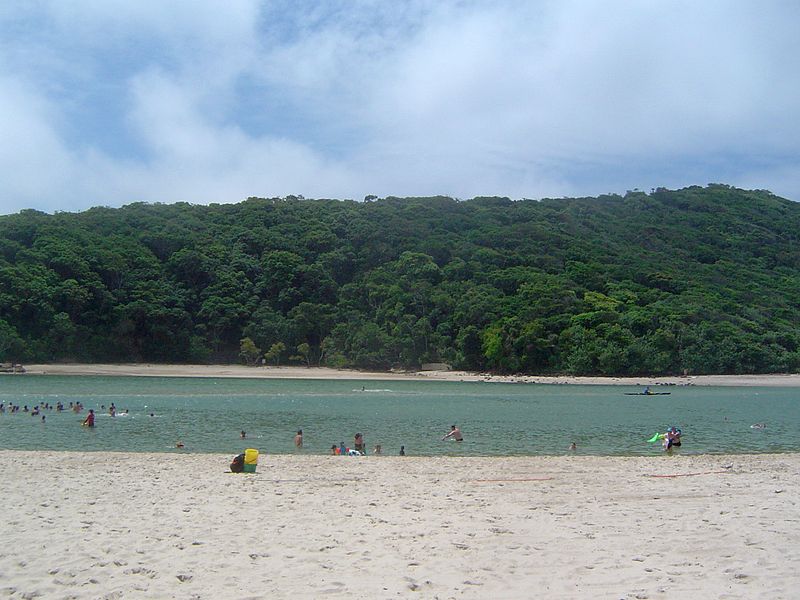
column 670, row 439
column 74, row 407
column 359, row 447
column 38, row 409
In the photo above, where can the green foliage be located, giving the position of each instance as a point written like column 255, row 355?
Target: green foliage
column 275, row 352
column 704, row 280
column 249, row 352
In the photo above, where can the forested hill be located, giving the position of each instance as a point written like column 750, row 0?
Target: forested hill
column 705, row 280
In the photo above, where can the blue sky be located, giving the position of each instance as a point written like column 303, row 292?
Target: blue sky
column 109, row 102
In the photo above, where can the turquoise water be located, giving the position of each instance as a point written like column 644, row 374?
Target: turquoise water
column 495, row 418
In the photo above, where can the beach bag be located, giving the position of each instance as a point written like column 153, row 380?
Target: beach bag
column 237, row 464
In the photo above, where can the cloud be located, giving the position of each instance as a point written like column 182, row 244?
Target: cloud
column 33, row 160
column 116, row 102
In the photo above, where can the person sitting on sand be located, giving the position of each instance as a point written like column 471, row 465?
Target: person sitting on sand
column 454, row 433
column 334, row 450
column 89, row 420
column 298, row 438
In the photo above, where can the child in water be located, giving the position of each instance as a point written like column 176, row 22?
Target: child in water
column 672, row 438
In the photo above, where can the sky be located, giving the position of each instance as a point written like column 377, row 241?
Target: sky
column 109, row 102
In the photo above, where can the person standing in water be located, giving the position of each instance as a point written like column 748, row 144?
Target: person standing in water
column 672, row 438
column 454, row 433
column 89, row 420
column 298, row 438
column 358, row 444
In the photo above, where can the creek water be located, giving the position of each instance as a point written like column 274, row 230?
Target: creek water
column 497, row 419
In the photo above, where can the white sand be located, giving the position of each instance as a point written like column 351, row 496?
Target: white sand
column 160, row 370
column 79, row 525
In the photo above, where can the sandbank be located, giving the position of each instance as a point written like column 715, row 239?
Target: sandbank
column 165, row 370
column 116, row 525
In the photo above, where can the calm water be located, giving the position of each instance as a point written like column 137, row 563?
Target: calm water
column 496, row 419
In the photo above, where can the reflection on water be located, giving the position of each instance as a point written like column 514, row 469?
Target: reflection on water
column 496, row 419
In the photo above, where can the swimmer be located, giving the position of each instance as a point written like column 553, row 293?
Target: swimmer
column 454, row 433
column 573, row 446
column 758, row 426
column 243, row 435
column 377, row 449
column 179, row 444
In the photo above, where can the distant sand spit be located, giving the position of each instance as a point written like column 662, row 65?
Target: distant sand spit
column 118, row 525
column 161, row 370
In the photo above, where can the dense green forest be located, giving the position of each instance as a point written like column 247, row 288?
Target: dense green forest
column 703, row 280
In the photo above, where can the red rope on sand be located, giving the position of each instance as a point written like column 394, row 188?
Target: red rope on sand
column 504, row 480
column 690, row 474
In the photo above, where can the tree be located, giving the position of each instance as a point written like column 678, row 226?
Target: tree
column 304, row 350
column 274, row 353
column 249, row 352
column 702, row 279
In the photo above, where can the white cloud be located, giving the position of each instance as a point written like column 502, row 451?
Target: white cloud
column 33, row 161
column 216, row 102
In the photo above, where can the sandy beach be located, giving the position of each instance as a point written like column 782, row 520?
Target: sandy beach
column 79, row 525
column 163, row 370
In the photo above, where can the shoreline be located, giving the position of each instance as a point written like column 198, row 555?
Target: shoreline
column 294, row 372
column 149, row 525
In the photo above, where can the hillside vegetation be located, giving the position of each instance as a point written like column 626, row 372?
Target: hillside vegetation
column 704, row 280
